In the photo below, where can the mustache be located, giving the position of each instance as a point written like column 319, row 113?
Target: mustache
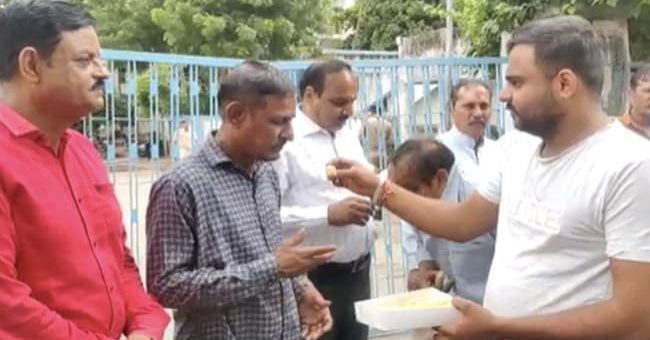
column 99, row 85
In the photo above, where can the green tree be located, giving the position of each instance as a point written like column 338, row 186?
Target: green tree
column 481, row 21
column 639, row 29
column 377, row 23
column 127, row 24
column 268, row 29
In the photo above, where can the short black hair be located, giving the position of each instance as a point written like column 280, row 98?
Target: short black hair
column 424, row 157
column 641, row 74
column 38, row 24
column 467, row 82
column 565, row 42
column 251, row 81
column 315, row 74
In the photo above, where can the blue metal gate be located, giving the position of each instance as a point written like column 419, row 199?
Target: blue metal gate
column 149, row 94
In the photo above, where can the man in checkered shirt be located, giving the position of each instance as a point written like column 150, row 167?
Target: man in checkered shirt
column 215, row 252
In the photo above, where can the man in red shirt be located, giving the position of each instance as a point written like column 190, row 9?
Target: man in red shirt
column 65, row 272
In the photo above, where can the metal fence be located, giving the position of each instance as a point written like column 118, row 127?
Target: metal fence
column 149, row 94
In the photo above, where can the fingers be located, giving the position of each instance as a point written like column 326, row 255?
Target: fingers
column 314, row 256
column 344, row 173
column 441, row 334
column 361, row 210
column 327, row 322
column 360, row 220
column 320, row 259
column 362, row 205
column 315, row 299
column 324, row 325
column 358, row 180
column 316, row 330
column 342, row 163
column 462, row 305
column 321, row 303
column 313, row 251
column 313, row 333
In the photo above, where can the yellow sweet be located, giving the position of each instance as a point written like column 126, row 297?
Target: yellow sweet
column 330, row 171
column 417, row 301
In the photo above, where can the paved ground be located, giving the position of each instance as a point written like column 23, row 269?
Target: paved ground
column 132, row 185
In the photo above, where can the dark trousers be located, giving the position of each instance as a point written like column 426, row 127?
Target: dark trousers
column 343, row 284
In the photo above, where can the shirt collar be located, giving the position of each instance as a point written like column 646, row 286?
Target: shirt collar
column 215, row 156
column 305, row 126
column 18, row 125
column 466, row 140
column 21, row 127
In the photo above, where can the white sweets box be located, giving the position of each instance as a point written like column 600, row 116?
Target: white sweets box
column 422, row 308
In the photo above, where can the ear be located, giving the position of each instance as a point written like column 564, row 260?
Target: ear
column 439, row 182
column 309, row 93
column 566, row 83
column 29, row 65
column 235, row 113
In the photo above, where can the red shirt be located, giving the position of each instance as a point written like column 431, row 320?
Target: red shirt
column 65, row 272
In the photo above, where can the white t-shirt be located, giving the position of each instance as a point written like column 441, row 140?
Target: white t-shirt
column 562, row 218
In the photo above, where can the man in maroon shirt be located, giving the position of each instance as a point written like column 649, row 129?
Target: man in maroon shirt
column 65, row 272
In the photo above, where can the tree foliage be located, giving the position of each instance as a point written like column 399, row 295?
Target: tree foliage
column 482, row 21
column 267, row 29
column 127, row 24
column 377, row 23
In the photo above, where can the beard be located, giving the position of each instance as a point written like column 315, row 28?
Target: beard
column 542, row 119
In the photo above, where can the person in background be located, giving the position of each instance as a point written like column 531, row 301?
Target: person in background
column 470, row 110
column 377, row 128
column 184, row 139
column 424, row 166
column 637, row 118
column 469, row 262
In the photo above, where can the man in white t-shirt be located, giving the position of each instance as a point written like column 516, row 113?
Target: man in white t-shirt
column 572, row 207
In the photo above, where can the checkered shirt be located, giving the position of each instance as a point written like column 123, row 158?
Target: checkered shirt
column 212, row 230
